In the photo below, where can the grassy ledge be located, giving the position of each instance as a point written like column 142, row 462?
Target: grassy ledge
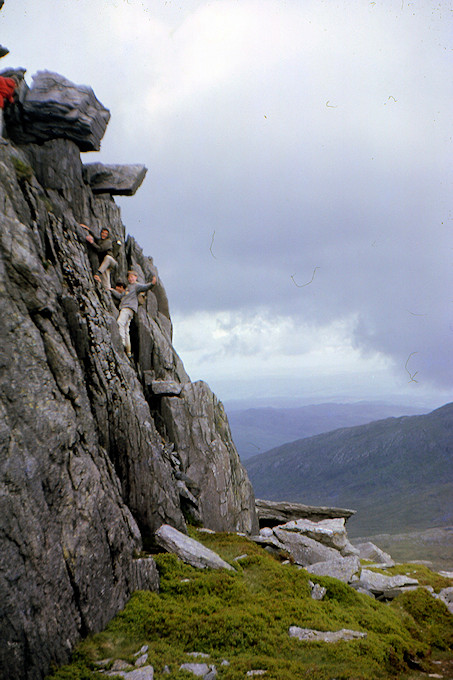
column 243, row 617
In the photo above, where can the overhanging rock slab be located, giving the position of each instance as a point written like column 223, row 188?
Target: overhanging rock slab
column 54, row 108
column 273, row 513
column 118, row 180
column 162, row 387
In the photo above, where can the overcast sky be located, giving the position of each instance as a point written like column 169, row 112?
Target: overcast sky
column 298, row 196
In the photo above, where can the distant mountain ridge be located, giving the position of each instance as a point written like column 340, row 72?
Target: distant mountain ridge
column 397, row 473
column 256, row 430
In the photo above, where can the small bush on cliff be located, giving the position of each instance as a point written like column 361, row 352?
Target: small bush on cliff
column 24, row 171
column 244, row 617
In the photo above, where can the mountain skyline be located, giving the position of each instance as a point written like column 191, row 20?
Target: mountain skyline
column 256, row 430
column 396, row 472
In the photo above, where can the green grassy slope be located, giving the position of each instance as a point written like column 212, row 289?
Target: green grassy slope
column 397, row 473
column 243, row 617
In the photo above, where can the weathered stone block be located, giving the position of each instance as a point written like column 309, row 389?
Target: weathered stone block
column 303, row 549
column 54, row 107
column 342, row 568
column 121, row 180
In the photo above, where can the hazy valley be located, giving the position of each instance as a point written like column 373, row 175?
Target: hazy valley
column 396, row 472
column 259, row 429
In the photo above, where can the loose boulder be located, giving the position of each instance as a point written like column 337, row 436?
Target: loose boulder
column 200, row 670
column 383, row 586
column 188, row 549
column 144, row 673
column 369, row 551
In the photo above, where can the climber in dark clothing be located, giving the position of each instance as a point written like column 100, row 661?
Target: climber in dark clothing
column 120, row 287
column 103, row 259
column 129, row 305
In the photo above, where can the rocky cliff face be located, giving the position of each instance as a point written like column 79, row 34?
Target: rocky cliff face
column 96, row 452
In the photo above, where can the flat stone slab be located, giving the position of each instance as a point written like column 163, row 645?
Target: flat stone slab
column 166, row 387
column 311, row 635
column 269, row 540
column 201, row 670
column 188, row 549
column 118, row 180
column 144, row 673
column 272, row 513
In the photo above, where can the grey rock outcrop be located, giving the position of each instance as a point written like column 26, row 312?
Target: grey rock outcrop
column 71, row 466
column 369, row 551
column 188, row 549
column 197, row 425
column 322, row 547
column 309, row 542
column 117, row 180
column 90, row 460
column 144, row 574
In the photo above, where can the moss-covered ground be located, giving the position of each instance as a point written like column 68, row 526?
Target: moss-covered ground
column 244, row 617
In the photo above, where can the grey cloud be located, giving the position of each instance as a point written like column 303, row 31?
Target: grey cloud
column 334, row 161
